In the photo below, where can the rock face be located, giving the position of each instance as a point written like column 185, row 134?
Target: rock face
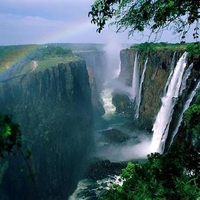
column 96, row 61
column 96, row 66
column 54, row 110
column 156, row 75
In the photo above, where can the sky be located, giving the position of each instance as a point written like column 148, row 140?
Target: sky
column 55, row 21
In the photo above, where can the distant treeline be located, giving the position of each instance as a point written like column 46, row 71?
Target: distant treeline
column 193, row 48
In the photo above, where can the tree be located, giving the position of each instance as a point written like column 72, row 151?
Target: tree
column 155, row 15
column 170, row 176
column 10, row 136
column 11, row 144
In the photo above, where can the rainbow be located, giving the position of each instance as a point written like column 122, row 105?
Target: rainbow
column 56, row 36
column 71, row 30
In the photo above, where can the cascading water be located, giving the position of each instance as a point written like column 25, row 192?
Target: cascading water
column 171, row 73
column 186, row 106
column 113, row 68
column 140, row 90
column 109, row 108
column 161, row 125
column 185, row 77
column 136, row 78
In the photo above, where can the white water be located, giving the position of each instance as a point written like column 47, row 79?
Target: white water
column 112, row 72
column 136, row 78
column 140, row 90
column 171, row 73
column 113, row 69
column 161, row 125
column 185, row 77
column 106, row 96
column 186, row 106
column 88, row 189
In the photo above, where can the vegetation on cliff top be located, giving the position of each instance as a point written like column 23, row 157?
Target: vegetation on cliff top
column 27, row 58
column 52, row 55
column 152, row 47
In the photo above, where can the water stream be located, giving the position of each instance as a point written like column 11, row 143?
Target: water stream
column 140, row 90
column 161, row 125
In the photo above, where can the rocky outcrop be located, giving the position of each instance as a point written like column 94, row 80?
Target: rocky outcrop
column 53, row 108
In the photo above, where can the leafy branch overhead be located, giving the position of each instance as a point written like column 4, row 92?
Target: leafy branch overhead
column 155, row 15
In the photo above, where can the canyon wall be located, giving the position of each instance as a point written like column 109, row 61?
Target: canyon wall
column 156, row 75
column 54, row 110
column 96, row 62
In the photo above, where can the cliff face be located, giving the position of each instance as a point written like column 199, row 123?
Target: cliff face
column 156, row 75
column 54, row 110
column 96, row 66
column 96, row 61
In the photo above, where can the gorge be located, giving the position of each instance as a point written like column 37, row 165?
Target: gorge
column 86, row 103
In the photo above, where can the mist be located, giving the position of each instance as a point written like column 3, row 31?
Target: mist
column 113, row 68
column 137, row 147
column 112, row 50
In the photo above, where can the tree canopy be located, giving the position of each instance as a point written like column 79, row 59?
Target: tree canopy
column 154, row 15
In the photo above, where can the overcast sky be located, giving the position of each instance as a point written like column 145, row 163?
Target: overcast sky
column 48, row 21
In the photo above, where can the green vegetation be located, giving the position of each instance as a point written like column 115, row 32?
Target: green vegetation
column 159, row 46
column 10, row 137
column 174, row 175
column 11, row 54
column 46, row 56
column 10, row 142
column 152, row 47
column 49, row 61
column 158, row 15
column 26, row 58
column 193, row 48
column 192, row 118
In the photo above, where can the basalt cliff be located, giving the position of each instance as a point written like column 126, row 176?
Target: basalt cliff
column 54, row 111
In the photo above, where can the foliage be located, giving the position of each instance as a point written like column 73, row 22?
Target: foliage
column 10, row 136
column 193, row 48
column 162, row 177
column 147, row 47
column 192, row 118
column 159, row 46
column 137, row 15
column 174, row 175
column 51, row 51
column 20, row 60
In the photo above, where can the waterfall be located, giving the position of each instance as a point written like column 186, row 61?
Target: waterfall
column 161, row 124
column 112, row 50
column 140, row 90
column 171, row 73
column 106, row 96
column 136, row 78
column 185, row 77
column 186, row 106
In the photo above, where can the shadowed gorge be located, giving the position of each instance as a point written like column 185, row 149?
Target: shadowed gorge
column 53, row 108
column 84, row 117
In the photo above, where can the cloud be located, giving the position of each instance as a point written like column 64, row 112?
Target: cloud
column 38, row 21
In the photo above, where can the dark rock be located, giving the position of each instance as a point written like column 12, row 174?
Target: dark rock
column 114, row 136
column 100, row 169
column 54, row 110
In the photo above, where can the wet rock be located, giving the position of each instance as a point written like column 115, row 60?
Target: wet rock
column 114, row 136
column 100, row 169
